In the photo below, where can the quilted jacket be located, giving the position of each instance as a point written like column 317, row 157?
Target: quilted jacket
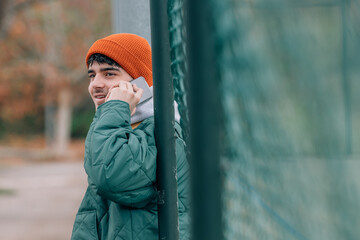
column 121, row 199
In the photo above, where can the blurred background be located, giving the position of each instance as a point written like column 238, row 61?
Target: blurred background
column 45, row 110
column 44, row 101
column 287, row 79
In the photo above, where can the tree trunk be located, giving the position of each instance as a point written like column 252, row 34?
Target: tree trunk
column 63, row 126
column 57, row 87
column 3, row 7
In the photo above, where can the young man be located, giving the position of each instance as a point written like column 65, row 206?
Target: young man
column 120, row 150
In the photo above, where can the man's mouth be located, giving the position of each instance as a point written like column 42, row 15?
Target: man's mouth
column 100, row 96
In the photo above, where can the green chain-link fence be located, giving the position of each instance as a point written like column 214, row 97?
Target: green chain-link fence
column 290, row 99
column 178, row 59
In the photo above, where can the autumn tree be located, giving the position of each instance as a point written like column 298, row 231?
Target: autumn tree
column 43, row 72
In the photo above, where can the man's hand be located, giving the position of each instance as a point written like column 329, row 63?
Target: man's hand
column 126, row 92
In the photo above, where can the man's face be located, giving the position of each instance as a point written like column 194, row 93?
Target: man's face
column 102, row 77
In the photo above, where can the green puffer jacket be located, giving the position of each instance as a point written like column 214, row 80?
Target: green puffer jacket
column 121, row 199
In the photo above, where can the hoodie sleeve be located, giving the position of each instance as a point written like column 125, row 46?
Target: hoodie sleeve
column 120, row 161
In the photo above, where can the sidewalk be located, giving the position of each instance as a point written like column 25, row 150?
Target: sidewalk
column 39, row 201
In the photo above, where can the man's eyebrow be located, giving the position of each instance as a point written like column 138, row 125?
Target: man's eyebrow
column 109, row 69
column 105, row 69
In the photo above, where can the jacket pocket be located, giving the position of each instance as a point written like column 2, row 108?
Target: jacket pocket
column 85, row 227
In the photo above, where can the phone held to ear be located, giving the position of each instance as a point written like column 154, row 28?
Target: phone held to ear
column 141, row 83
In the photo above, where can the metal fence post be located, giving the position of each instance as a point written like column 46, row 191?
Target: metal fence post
column 164, row 122
column 204, row 112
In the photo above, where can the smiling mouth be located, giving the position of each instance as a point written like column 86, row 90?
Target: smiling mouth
column 100, row 97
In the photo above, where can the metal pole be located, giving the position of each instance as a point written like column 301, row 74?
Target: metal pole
column 131, row 16
column 204, row 111
column 164, row 122
column 345, row 79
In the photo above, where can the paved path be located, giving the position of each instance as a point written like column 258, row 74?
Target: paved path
column 39, row 201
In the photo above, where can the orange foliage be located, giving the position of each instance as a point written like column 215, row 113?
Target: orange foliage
column 28, row 71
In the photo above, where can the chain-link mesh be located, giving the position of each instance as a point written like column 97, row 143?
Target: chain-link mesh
column 289, row 89
column 178, row 60
column 286, row 77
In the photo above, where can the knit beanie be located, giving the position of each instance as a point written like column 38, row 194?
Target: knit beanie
column 131, row 52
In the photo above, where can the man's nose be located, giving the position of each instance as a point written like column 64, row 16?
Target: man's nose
column 98, row 82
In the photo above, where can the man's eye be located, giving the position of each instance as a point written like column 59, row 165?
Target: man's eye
column 91, row 76
column 109, row 74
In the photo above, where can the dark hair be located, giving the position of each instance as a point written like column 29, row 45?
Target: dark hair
column 100, row 58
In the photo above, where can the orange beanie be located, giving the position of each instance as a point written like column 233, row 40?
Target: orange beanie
column 131, row 52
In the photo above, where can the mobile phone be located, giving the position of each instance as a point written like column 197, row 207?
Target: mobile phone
column 141, row 83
